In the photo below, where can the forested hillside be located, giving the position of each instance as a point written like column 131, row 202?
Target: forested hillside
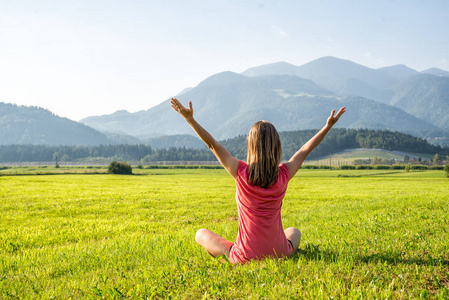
column 337, row 140
column 424, row 96
column 35, row 125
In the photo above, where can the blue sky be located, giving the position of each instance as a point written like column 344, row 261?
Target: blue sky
column 82, row 58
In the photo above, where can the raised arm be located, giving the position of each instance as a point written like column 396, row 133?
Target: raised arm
column 298, row 158
column 224, row 157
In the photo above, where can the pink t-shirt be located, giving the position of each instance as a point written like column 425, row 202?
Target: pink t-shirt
column 260, row 227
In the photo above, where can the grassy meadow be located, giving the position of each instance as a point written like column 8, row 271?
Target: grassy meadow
column 367, row 234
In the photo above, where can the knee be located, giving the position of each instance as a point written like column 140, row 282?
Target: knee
column 297, row 232
column 294, row 235
column 293, row 231
column 199, row 235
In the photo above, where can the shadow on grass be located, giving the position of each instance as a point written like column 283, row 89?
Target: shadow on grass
column 313, row 252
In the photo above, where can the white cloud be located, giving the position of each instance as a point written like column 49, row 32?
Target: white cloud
column 368, row 54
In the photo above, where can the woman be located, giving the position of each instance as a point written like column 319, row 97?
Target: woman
column 261, row 185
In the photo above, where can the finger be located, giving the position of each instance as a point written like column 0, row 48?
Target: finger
column 190, row 105
column 332, row 113
column 340, row 112
column 177, row 104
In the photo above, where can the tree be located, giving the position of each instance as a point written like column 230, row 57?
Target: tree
column 56, row 160
column 120, row 168
column 436, row 159
column 377, row 161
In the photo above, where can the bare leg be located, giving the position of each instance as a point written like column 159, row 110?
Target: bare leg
column 294, row 235
column 214, row 244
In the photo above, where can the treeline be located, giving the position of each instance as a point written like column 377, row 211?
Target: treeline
column 44, row 153
column 340, row 139
column 19, row 153
column 337, row 140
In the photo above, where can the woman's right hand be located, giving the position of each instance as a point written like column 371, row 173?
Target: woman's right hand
column 187, row 113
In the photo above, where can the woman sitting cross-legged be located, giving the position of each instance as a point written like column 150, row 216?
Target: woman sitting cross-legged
column 261, row 185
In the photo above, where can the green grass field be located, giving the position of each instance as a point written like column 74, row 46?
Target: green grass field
column 367, row 234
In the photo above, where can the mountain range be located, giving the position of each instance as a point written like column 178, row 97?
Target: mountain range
column 300, row 97
column 292, row 97
column 422, row 94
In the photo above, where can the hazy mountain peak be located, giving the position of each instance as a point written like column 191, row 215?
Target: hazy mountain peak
column 184, row 91
column 227, row 77
column 277, row 68
column 436, row 72
column 333, row 60
column 118, row 113
column 121, row 112
column 336, row 66
column 399, row 71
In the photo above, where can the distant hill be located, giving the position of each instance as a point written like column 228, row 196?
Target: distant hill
column 424, row 96
column 34, row 125
column 227, row 104
column 111, row 124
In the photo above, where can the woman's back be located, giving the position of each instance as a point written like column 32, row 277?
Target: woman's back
column 260, row 227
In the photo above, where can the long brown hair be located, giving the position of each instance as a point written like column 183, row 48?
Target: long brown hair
column 264, row 154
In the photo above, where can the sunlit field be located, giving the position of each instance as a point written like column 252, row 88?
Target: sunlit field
column 365, row 234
